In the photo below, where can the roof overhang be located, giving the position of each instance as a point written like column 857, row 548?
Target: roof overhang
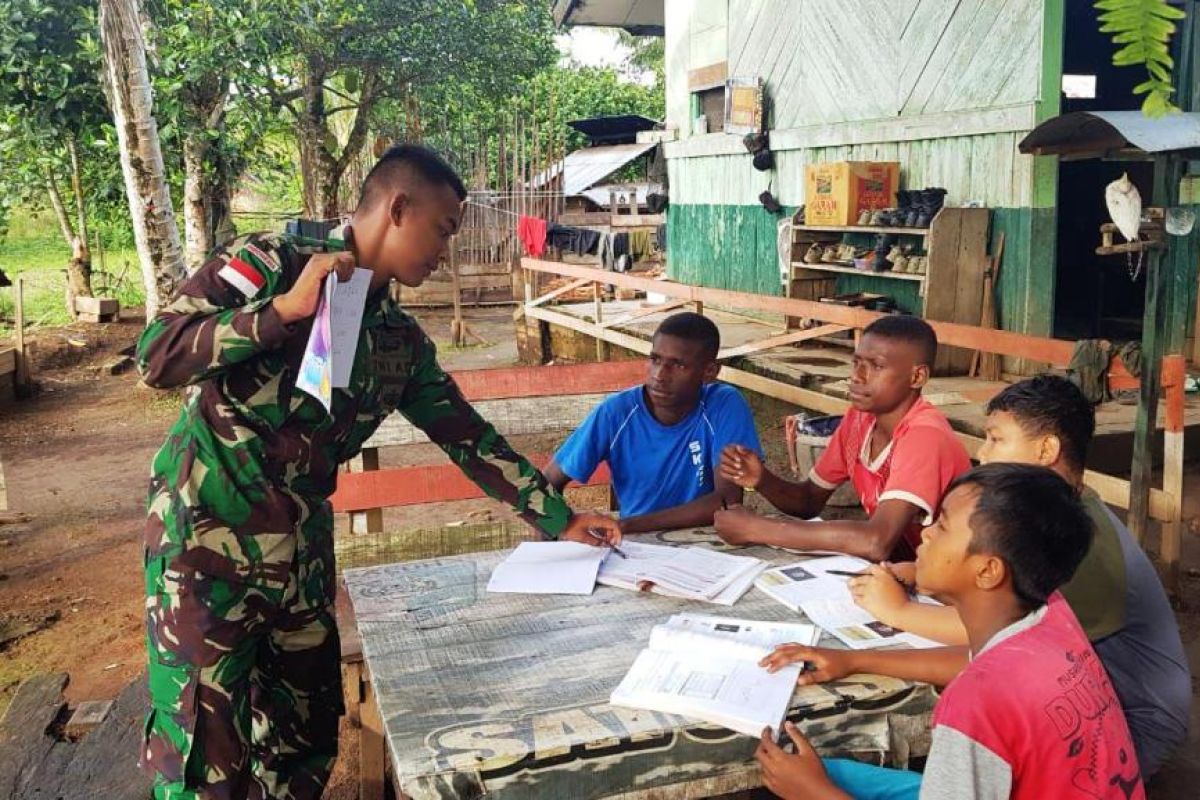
column 639, row 17
column 583, row 169
column 1114, row 134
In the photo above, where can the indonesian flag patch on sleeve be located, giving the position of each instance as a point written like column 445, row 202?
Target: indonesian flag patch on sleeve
column 243, row 277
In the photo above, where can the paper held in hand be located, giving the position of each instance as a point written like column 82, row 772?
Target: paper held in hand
column 693, row 573
column 706, row 667
column 811, row 588
column 332, row 343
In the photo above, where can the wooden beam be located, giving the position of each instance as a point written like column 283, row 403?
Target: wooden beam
column 780, row 341
column 643, row 312
column 513, row 382
column 1018, row 345
column 570, row 287
column 416, row 485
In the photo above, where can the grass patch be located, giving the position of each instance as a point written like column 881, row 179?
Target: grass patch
column 34, row 248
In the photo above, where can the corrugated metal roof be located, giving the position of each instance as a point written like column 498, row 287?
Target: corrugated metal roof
column 599, row 194
column 586, row 167
column 639, row 17
column 1099, row 133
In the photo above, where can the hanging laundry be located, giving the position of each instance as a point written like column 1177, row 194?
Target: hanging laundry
column 612, row 247
column 580, row 241
column 660, row 238
column 639, row 244
column 532, row 233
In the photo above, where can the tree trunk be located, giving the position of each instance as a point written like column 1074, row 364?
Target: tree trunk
column 79, row 268
column 127, row 83
column 321, row 170
column 220, row 199
column 197, row 232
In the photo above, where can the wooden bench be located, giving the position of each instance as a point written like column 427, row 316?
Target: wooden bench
column 519, row 400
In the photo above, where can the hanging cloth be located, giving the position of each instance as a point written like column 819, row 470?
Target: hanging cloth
column 532, row 233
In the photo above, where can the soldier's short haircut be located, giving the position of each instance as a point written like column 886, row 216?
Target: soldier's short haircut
column 693, row 327
column 403, row 162
column 911, row 330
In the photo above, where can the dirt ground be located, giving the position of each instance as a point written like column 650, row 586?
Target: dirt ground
column 76, row 457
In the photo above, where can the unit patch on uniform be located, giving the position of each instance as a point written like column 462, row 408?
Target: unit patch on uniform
column 243, row 277
column 264, row 259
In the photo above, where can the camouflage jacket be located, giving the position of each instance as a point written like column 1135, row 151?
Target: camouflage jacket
column 269, row 451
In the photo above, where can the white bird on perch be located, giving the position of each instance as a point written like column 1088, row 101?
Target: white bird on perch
column 1124, row 206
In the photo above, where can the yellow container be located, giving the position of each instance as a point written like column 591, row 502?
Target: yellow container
column 837, row 193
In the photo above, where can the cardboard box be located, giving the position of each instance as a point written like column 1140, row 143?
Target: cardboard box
column 836, row 193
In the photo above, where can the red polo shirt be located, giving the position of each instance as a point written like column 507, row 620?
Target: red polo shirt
column 916, row 466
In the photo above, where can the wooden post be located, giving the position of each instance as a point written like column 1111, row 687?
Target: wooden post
column 598, row 313
column 372, row 745
column 1174, row 376
column 1167, row 172
column 21, row 377
column 458, row 334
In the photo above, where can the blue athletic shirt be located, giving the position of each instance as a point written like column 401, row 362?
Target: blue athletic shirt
column 656, row 466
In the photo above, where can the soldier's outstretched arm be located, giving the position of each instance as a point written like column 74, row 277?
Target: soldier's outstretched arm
column 433, row 402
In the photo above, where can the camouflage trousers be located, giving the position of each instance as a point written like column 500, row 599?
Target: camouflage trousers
column 245, row 680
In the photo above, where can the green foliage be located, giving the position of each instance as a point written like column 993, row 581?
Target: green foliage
column 1142, row 30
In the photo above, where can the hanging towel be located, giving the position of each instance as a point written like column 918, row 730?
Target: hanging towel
column 532, row 233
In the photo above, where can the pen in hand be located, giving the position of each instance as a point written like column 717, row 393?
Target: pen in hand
column 592, row 532
column 848, row 574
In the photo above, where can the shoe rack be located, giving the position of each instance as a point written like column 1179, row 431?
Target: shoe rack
column 950, row 289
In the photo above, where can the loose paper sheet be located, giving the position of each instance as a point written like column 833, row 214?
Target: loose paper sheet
column 549, row 568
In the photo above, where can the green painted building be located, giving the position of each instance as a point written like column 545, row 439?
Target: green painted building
column 947, row 88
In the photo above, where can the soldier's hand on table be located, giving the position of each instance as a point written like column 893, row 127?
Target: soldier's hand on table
column 300, row 302
column 793, row 776
column 735, row 525
column 605, row 528
column 823, row 664
column 879, row 593
column 741, row 466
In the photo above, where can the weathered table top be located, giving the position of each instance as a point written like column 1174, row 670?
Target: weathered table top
column 507, row 694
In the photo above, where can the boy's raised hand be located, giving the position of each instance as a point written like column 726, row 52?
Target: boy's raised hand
column 879, row 592
column 741, row 466
column 824, row 664
column 300, row 302
column 794, row 776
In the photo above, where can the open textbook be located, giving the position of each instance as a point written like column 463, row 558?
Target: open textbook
column 707, row 668
column 815, row 589
column 694, row 573
column 549, row 568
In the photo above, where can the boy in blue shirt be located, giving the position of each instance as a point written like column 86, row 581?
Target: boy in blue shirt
column 663, row 440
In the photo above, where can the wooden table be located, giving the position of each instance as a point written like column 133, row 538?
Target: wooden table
column 506, row 695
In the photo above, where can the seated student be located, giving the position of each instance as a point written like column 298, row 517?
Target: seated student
column 662, row 440
column 894, row 447
column 1033, row 715
column 1115, row 593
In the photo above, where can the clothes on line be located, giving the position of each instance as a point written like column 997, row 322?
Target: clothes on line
column 613, row 246
column 580, row 241
column 532, row 233
column 639, row 243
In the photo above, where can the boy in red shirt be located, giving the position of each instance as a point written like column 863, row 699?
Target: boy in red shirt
column 897, row 450
column 1034, row 714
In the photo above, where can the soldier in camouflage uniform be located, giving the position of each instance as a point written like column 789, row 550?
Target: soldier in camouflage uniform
column 244, row 654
